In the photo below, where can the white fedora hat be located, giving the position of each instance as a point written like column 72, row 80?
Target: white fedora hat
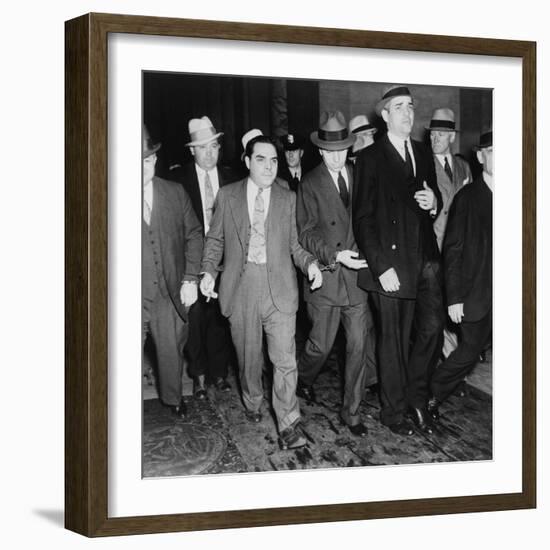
column 201, row 131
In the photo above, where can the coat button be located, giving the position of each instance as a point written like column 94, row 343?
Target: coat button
column 393, row 246
column 338, row 244
column 333, row 223
column 394, row 222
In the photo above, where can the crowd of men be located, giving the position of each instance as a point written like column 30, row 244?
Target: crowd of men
column 390, row 241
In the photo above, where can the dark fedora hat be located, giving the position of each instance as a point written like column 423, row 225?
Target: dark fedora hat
column 395, row 90
column 333, row 133
column 485, row 140
column 148, row 146
column 443, row 119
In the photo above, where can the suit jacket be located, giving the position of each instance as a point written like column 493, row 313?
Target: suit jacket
column 391, row 230
column 187, row 176
column 325, row 228
column 179, row 237
column 468, row 250
column 229, row 236
column 461, row 176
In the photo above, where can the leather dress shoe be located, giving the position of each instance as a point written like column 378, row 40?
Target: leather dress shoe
column 401, row 427
column 306, row 392
column 421, row 419
column 222, row 384
column 179, row 410
column 291, row 438
column 254, row 417
column 433, row 408
column 199, row 387
column 358, row 430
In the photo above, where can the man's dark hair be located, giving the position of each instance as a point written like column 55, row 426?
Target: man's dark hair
column 258, row 139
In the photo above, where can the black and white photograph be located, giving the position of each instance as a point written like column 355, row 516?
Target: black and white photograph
column 317, row 274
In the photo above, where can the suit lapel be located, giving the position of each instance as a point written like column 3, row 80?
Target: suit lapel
column 239, row 210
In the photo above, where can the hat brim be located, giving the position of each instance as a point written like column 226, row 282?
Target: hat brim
column 383, row 102
column 332, row 145
column 149, row 152
column 441, row 129
column 203, row 141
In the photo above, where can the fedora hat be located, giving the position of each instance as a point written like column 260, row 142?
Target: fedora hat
column 395, row 90
column 443, row 119
column 201, row 131
column 148, row 147
column 333, row 134
column 251, row 134
column 291, row 142
column 360, row 123
column 485, row 140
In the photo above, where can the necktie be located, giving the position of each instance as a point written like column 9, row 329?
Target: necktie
column 448, row 170
column 256, row 247
column 295, row 181
column 146, row 212
column 208, row 198
column 408, row 161
column 344, row 194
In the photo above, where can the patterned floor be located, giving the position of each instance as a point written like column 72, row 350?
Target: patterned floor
column 217, row 438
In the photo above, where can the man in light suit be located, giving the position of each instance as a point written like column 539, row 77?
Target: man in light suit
column 254, row 230
column 397, row 202
column 209, row 343
column 468, row 261
column 324, row 228
column 452, row 174
column 171, row 255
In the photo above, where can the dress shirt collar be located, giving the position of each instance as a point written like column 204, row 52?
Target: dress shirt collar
column 148, row 194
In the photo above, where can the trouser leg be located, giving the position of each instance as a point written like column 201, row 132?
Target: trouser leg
column 280, row 338
column 325, row 321
column 169, row 334
column 355, row 320
column 246, row 332
column 394, row 317
column 473, row 338
column 428, row 334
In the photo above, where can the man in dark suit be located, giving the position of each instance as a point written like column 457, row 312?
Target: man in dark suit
column 209, row 344
column 397, row 201
column 292, row 169
column 468, row 261
column 324, row 228
column 171, row 255
column 254, row 230
column 452, row 173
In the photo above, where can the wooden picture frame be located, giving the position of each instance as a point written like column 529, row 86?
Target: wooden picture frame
column 86, row 280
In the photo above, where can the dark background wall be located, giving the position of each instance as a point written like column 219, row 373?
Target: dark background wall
column 276, row 106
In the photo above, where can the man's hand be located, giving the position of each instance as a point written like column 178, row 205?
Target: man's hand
column 188, row 294
column 207, row 286
column 425, row 198
column 347, row 258
column 315, row 276
column 456, row 312
column 389, row 280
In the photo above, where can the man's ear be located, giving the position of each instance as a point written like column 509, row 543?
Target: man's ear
column 452, row 138
column 247, row 162
column 385, row 115
column 301, row 153
column 479, row 157
column 192, row 149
